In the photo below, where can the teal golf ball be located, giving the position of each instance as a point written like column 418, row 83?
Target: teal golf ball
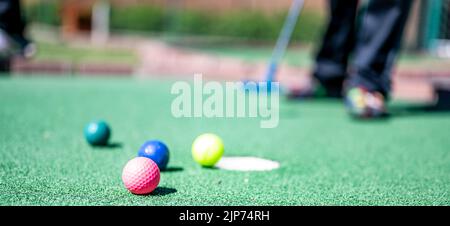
column 97, row 133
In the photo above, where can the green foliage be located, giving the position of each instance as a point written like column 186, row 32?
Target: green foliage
column 46, row 12
column 148, row 18
column 245, row 24
column 139, row 18
column 309, row 26
column 191, row 22
column 252, row 25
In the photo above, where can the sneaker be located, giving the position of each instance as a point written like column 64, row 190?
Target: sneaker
column 25, row 47
column 362, row 103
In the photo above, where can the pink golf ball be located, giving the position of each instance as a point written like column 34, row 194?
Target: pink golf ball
column 140, row 175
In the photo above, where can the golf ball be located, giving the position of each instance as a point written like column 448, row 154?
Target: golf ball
column 140, row 175
column 97, row 133
column 156, row 151
column 207, row 149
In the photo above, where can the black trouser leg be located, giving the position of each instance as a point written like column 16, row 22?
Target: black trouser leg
column 13, row 25
column 11, row 20
column 378, row 43
column 337, row 43
column 5, row 65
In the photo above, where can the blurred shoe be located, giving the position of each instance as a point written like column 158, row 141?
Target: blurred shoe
column 316, row 89
column 365, row 104
column 26, row 48
column 5, row 52
column 12, row 46
column 6, row 47
column 29, row 50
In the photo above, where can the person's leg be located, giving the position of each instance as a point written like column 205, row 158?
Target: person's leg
column 6, row 52
column 5, row 65
column 377, row 46
column 11, row 20
column 331, row 61
column 378, row 43
column 13, row 24
column 12, row 34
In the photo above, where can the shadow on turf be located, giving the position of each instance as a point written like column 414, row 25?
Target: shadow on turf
column 173, row 169
column 413, row 110
column 111, row 145
column 162, row 191
column 294, row 112
column 397, row 111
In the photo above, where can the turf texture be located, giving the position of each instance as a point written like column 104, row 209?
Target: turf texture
column 326, row 157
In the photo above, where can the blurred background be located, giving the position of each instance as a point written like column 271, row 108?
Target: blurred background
column 227, row 39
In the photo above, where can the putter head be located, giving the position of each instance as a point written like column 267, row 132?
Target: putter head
column 262, row 86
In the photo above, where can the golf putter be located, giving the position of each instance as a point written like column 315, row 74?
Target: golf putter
column 282, row 42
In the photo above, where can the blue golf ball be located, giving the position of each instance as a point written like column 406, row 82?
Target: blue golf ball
column 156, row 151
column 97, row 133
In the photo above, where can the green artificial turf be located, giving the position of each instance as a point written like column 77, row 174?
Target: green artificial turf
column 326, row 157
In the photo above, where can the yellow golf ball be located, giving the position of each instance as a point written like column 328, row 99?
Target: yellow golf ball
column 207, row 149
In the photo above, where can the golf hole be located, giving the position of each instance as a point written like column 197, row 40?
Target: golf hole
column 247, row 164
